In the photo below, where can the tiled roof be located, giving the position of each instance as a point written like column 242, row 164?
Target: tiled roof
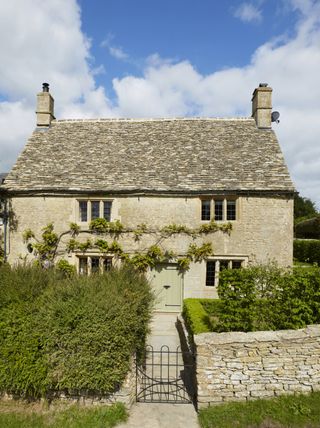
column 155, row 155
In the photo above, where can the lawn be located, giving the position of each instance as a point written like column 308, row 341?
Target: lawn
column 35, row 415
column 291, row 411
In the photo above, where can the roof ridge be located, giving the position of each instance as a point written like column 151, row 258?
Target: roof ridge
column 160, row 119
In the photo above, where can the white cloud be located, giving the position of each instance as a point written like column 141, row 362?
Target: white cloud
column 115, row 51
column 46, row 44
column 290, row 66
column 248, row 12
column 43, row 42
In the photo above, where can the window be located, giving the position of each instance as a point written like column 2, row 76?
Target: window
column 95, row 209
column 211, row 270
column 216, row 266
column 223, row 209
column 205, row 209
column 94, row 264
column 92, row 209
column 218, row 210
column 83, row 210
column 231, row 210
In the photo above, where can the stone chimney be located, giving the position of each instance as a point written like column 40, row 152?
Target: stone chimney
column 261, row 106
column 45, row 106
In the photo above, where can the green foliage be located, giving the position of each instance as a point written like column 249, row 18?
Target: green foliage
column 281, row 412
column 199, row 253
column 69, row 333
column 139, row 231
column 66, row 268
column 209, row 227
column 27, row 235
column 195, row 316
column 18, row 415
column 74, row 229
column 306, row 250
column 308, row 229
column 262, row 298
column 173, row 229
column 183, row 263
column 304, row 207
column 101, row 225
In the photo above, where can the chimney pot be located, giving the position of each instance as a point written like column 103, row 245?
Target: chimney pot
column 45, row 87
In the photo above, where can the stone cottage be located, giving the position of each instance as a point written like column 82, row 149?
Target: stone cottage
column 216, row 192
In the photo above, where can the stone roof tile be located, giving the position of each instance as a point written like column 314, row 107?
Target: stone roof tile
column 176, row 155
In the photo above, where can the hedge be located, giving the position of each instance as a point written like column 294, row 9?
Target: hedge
column 258, row 298
column 196, row 314
column 70, row 334
column 305, row 250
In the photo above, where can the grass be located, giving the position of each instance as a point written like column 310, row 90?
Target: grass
column 20, row 415
column 287, row 411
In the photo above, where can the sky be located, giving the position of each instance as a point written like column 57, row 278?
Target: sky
column 168, row 58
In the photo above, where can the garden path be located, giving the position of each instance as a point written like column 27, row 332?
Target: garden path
column 162, row 415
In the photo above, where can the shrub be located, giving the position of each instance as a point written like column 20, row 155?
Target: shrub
column 307, row 250
column 70, row 333
column 258, row 298
column 195, row 316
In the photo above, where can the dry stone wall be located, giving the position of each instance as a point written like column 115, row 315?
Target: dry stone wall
column 243, row 366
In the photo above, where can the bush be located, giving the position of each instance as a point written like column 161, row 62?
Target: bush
column 307, row 250
column 195, row 316
column 258, row 298
column 70, row 333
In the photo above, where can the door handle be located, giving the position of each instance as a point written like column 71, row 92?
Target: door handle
column 166, row 286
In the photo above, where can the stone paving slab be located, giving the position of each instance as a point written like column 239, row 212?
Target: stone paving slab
column 154, row 415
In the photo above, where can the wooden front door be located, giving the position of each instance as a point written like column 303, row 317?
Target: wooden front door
column 167, row 283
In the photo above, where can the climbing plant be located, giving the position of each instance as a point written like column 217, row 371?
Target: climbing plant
column 46, row 247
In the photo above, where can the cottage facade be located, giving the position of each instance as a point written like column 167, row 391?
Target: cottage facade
column 154, row 175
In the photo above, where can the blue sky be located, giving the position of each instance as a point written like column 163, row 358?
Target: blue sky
column 125, row 58
column 211, row 35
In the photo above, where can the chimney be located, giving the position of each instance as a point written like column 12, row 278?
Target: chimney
column 45, row 106
column 261, row 106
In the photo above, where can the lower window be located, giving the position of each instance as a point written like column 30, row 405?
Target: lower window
column 216, row 266
column 94, row 264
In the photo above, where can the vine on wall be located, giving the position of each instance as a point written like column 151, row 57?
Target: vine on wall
column 46, row 248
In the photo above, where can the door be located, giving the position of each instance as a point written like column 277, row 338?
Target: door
column 167, row 283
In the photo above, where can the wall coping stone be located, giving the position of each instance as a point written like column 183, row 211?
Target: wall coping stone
column 256, row 336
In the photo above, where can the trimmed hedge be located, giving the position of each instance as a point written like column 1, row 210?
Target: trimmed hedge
column 70, row 334
column 306, row 250
column 258, row 298
column 196, row 314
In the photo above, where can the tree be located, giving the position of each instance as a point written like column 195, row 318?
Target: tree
column 304, row 207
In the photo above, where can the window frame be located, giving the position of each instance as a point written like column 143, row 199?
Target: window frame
column 213, row 203
column 89, row 257
column 90, row 202
column 217, row 260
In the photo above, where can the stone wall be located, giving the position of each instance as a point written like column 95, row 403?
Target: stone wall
column 262, row 232
column 244, row 366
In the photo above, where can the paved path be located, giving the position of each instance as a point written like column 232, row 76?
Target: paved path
column 162, row 415
column 145, row 415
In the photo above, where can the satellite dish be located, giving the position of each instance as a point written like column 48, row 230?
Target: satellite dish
column 275, row 116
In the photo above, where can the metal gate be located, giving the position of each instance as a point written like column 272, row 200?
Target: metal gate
column 166, row 376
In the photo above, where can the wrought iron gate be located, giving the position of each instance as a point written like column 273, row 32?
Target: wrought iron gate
column 166, row 376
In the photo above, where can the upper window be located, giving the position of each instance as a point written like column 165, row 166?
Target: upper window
column 217, row 209
column 92, row 209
